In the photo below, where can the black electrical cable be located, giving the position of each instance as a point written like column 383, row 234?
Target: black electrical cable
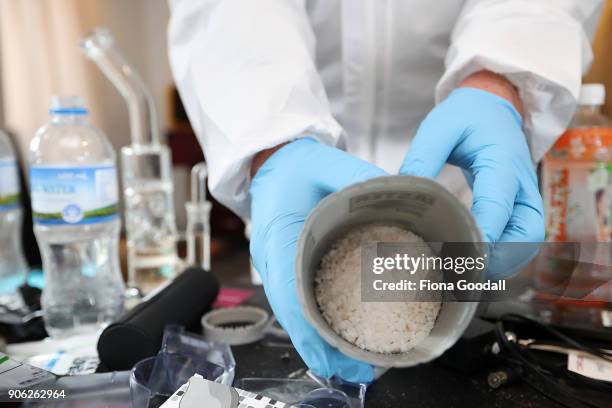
column 522, row 358
column 525, row 358
column 561, row 370
column 544, row 371
column 520, row 362
column 606, row 355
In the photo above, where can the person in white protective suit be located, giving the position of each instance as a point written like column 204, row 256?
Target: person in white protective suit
column 294, row 99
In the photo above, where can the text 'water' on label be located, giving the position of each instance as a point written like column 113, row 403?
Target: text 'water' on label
column 73, row 195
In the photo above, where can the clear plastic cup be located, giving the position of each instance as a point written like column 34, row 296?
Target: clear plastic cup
column 140, row 394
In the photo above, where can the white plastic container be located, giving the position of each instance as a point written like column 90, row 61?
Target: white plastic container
column 417, row 204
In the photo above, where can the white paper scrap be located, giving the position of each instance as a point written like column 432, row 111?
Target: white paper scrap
column 589, row 366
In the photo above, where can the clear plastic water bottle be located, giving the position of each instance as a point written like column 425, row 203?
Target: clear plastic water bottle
column 13, row 268
column 73, row 180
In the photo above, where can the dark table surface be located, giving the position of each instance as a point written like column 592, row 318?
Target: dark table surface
column 426, row 385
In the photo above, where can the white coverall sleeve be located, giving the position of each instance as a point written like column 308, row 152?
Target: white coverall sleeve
column 246, row 75
column 541, row 46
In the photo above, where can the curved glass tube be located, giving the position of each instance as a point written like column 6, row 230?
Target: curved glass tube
column 99, row 46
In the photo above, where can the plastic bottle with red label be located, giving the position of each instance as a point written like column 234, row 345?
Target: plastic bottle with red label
column 577, row 192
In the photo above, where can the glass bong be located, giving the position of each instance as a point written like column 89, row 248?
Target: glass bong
column 146, row 173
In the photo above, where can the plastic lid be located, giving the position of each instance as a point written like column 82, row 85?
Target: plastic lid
column 67, row 105
column 592, row 94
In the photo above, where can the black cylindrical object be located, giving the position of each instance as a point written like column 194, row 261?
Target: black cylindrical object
column 138, row 333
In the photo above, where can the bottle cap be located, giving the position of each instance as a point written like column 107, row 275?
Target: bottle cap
column 67, row 105
column 592, row 94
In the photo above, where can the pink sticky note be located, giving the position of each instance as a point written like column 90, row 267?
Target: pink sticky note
column 230, row 297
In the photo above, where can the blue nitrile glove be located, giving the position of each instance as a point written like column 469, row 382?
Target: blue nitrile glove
column 482, row 133
column 285, row 189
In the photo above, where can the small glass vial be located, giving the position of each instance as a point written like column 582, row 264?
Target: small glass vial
column 198, row 220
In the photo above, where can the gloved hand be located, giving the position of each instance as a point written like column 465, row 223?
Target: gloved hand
column 482, row 133
column 285, row 189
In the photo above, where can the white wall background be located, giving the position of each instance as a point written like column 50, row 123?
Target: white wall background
column 39, row 57
column 139, row 27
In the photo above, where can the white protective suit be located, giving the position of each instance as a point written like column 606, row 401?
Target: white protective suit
column 362, row 74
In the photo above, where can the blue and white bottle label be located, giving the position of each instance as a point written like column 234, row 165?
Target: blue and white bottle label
column 73, row 195
column 9, row 185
